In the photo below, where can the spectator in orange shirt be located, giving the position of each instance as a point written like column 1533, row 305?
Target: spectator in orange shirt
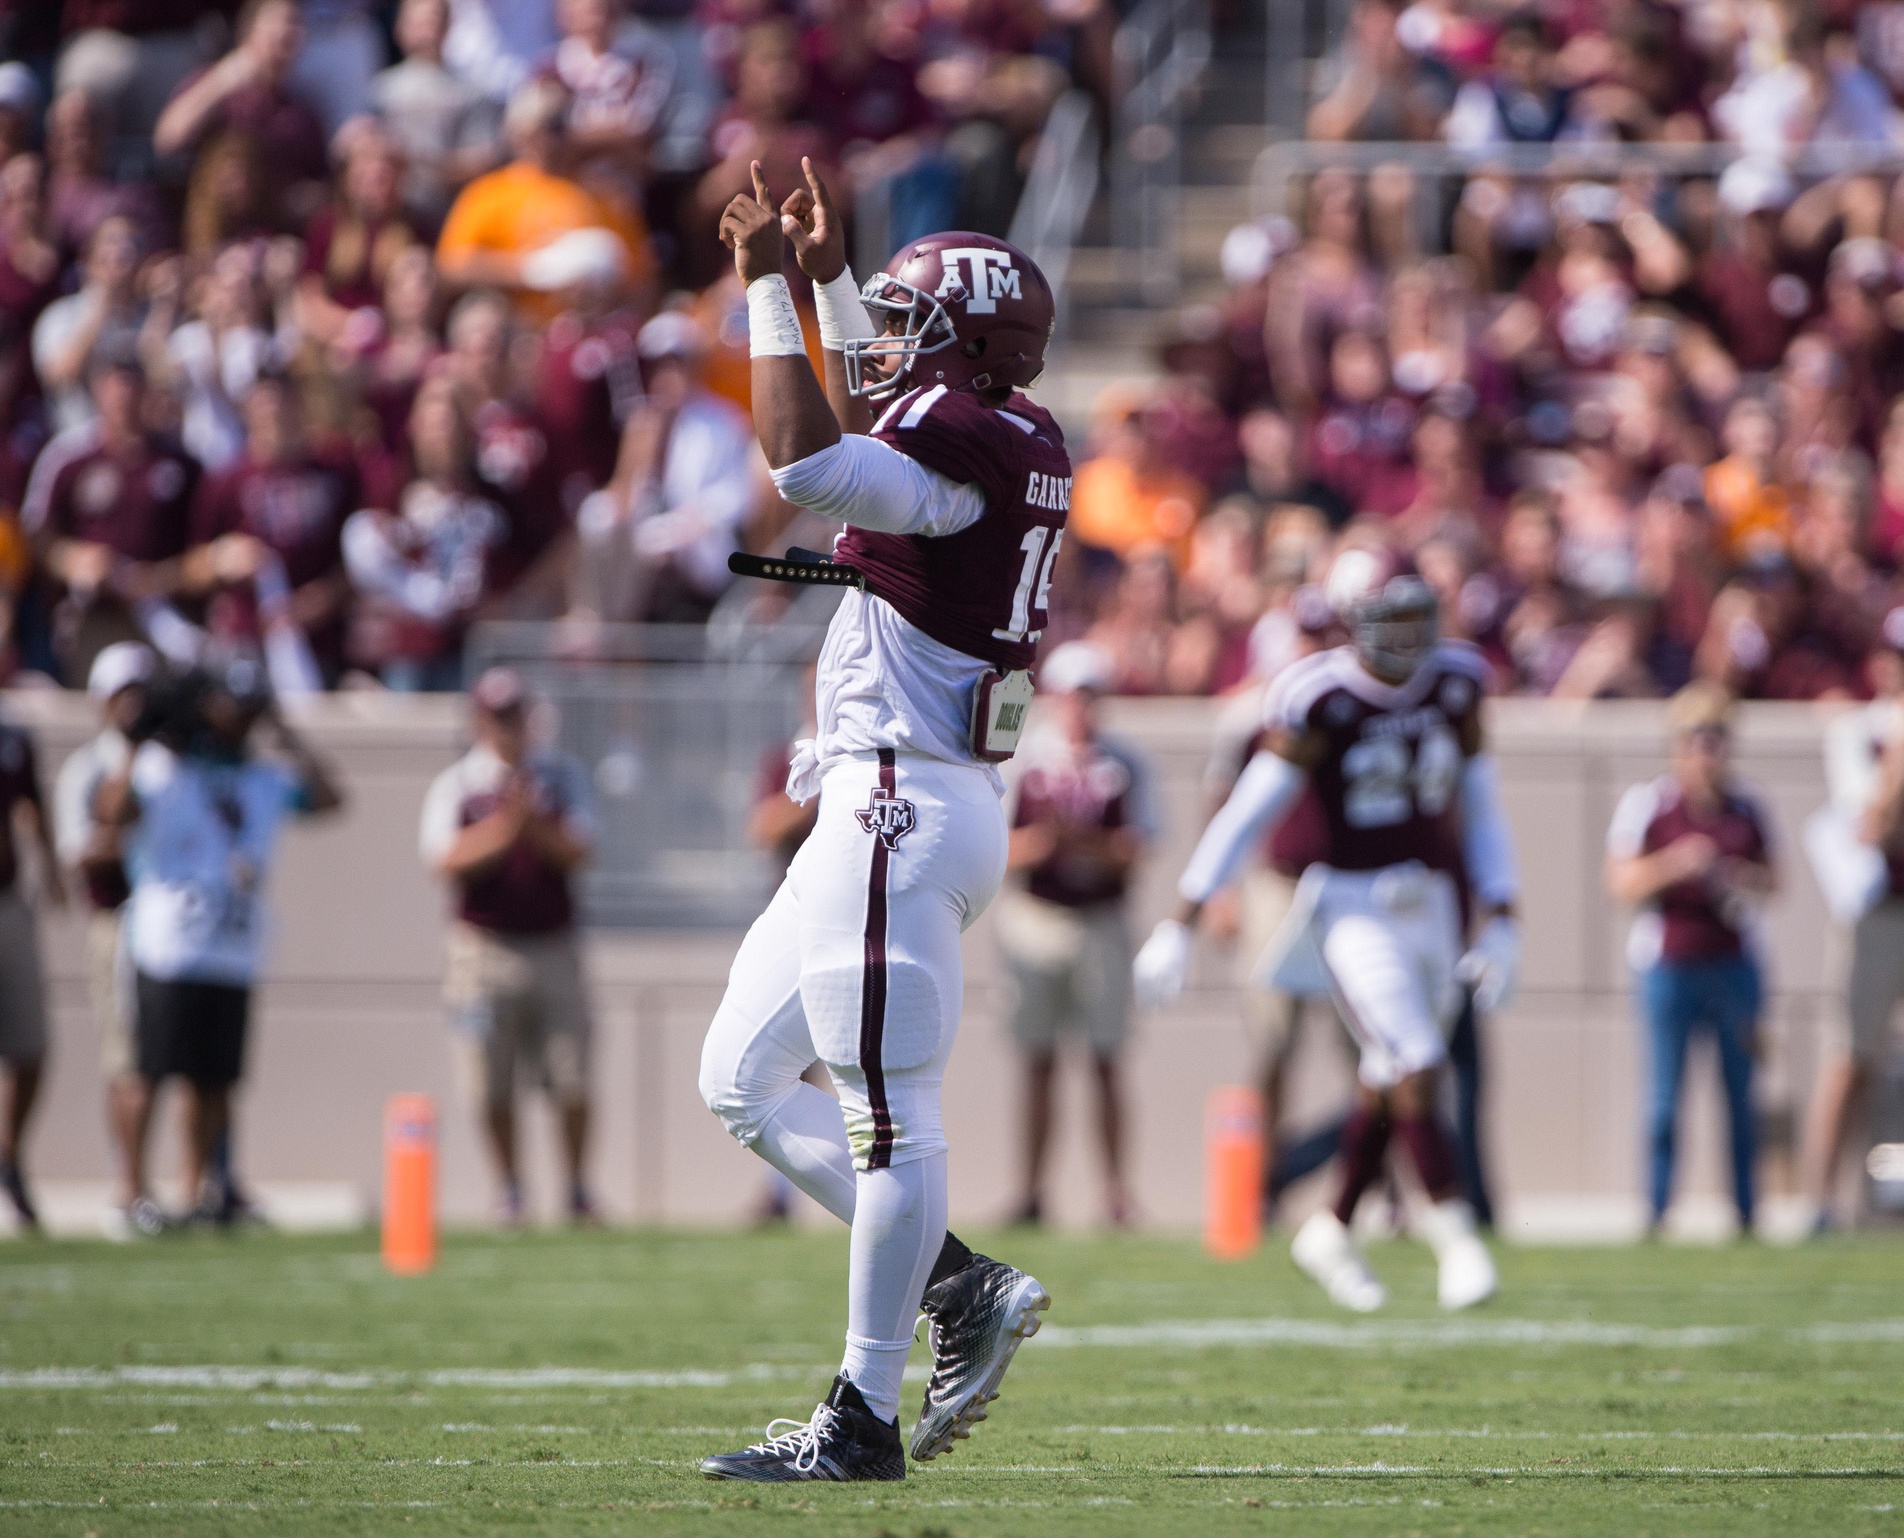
column 1753, row 511
column 524, row 227
column 1129, row 496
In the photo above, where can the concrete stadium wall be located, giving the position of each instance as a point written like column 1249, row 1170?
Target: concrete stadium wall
column 350, row 1013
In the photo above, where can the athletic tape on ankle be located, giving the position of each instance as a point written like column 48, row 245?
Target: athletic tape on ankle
column 842, row 317
column 773, row 326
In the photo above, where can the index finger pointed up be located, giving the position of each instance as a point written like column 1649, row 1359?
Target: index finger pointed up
column 820, row 194
column 761, row 193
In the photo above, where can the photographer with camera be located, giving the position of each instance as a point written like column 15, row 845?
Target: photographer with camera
column 201, row 816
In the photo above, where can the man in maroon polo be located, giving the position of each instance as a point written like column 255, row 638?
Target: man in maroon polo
column 507, row 826
column 107, row 511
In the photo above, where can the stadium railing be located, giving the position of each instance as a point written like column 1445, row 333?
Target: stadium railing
column 1284, row 163
column 1059, row 192
column 1161, row 52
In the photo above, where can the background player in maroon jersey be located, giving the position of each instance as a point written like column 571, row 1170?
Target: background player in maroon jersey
column 1388, row 732
column 955, row 503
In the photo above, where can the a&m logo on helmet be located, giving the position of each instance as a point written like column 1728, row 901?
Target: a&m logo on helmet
column 887, row 816
column 993, row 277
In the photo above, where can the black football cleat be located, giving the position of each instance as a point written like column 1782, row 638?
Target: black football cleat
column 844, row 1442
column 976, row 1319
column 14, row 1184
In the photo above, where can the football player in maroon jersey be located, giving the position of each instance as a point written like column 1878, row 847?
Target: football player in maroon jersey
column 954, row 501
column 1388, row 732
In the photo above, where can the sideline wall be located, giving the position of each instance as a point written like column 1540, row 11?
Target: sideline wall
column 349, row 1013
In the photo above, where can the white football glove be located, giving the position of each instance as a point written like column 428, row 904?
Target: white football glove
column 1163, row 965
column 1492, row 966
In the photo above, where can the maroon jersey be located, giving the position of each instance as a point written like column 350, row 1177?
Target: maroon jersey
column 298, row 509
column 19, row 781
column 1697, row 921
column 587, row 378
column 513, row 461
column 1089, row 791
column 1388, row 785
column 985, row 590
column 521, row 892
column 137, row 505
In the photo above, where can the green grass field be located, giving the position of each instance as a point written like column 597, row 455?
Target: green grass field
column 568, row 1383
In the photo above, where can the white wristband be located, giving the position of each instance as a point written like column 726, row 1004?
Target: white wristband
column 773, row 326
column 842, row 317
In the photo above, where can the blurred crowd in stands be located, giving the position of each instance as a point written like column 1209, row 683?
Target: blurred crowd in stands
column 328, row 327
column 1636, row 428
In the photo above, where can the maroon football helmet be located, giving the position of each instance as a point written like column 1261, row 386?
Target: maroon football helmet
column 1393, row 615
column 977, row 315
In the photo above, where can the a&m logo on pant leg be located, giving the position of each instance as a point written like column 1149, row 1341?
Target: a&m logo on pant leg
column 890, row 817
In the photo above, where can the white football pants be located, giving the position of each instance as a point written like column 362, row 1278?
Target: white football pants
column 1390, row 940
column 856, row 962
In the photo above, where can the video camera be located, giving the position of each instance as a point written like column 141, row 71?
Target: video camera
column 181, row 704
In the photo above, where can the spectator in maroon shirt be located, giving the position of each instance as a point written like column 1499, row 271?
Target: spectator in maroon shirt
column 389, row 374
column 1691, row 850
column 107, row 511
column 248, row 92
column 764, row 122
column 80, row 194
column 279, row 514
column 514, row 460
column 1746, row 282
column 860, row 94
column 29, row 257
column 419, row 554
column 587, row 378
column 1358, row 442
column 349, row 246
column 1080, row 820
column 509, row 827
column 618, row 89
column 1885, row 537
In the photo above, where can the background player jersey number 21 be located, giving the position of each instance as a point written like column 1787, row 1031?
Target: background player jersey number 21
column 1387, row 779
column 1033, row 593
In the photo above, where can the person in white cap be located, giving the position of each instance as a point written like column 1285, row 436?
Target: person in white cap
column 1864, row 767
column 656, row 539
column 95, row 854
column 22, row 988
column 1081, row 818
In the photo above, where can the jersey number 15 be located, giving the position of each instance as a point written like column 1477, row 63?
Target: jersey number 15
column 1036, row 575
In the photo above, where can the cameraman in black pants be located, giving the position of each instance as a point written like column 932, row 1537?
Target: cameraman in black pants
column 202, row 817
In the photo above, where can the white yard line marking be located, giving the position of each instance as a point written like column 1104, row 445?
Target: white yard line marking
column 1327, row 1333
column 252, row 1378
column 1481, row 1433
column 1335, row 1334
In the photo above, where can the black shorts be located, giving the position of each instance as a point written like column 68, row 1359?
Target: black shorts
column 192, row 1030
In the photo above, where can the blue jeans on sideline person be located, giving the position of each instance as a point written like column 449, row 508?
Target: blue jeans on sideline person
column 1678, row 998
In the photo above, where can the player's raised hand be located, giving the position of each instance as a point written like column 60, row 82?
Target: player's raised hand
column 752, row 228
column 809, row 219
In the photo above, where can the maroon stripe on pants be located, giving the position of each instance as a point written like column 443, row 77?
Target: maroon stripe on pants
column 872, row 993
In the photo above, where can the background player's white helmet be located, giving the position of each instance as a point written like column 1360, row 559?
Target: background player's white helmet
column 1392, row 614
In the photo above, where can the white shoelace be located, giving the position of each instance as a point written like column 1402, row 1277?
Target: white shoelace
column 803, row 1441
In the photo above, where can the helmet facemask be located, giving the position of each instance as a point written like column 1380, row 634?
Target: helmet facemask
column 927, row 329
column 1397, row 629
